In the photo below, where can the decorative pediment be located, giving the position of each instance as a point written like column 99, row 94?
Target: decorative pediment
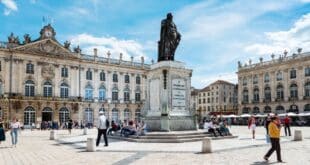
column 46, row 46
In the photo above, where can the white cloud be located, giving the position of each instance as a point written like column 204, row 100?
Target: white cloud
column 201, row 81
column 290, row 40
column 104, row 44
column 10, row 6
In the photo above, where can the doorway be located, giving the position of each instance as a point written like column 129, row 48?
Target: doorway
column 47, row 114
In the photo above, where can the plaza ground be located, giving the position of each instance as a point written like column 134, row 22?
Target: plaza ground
column 34, row 147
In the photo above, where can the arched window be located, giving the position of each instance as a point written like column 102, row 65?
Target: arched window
column 126, row 78
column 64, row 72
column 293, row 73
column 106, row 114
column 245, row 110
column 267, row 94
column 255, row 110
column 266, row 78
column 307, row 71
column 102, row 76
column 115, row 115
column 89, row 75
column 1, row 113
column 307, row 107
column 115, row 78
column 89, row 92
column 126, row 94
column 30, row 68
column 127, row 114
column 138, row 115
column 114, row 94
column 102, row 93
column 29, row 88
column 1, row 88
column 267, row 109
column 245, row 96
column 293, row 108
column 64, row 90
column 279, row 76
column 307, row 89
column 138, row 96
column 47, row 89
column 244, row 81
column 280, row 92
column 29, row 116
column 294, row 91
column 64, row 115
column 256, row 95
column 280, row 109
column 255, row 79
column 88, row 116
column 138, row 80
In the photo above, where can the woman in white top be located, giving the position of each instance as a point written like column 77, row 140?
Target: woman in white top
column 15, row 125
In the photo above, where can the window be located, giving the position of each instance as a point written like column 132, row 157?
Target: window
column 266, row 78
column 1, row 113
column 30, row 68
column 138, row 96
column 280, row 94
column 138, row 115
column 307, row 107
column 217, row 99
column 29, row 88
column 47, row 89
column 127, row 114
column 204, row 101
column 245, row 96
column 126, row 78
column 63, row 115
column 307, row 89
column 280, row 109
column 307, row 71
column 126, row 95
column 294, row 91
column 102, row 76
column 244, row 82
column 279, row 76
column 88, row 92
column 29, row 116
column 255, row 79
column 88, row 116
column 0, row 66
column 208, row 100
column 64, row 90
column 267, row 109
column 89, row 75
column 267, row 94
column 224, row 99
column 115, row 115
column 256, row 95
column 245, row 110
column 102, row 93
column 199, row 101
column 138, row 80
column 1, row 92
column 64, row 72
column 209, row 108
column 114, row 78
column 114, row 94
column 293, row 73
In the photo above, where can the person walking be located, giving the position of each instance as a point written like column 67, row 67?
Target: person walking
column 287, row 122
column 2, row 132
column 252, row 125
column 15, row 126
column 70, row 124
column 103, row 125
column 274, row 133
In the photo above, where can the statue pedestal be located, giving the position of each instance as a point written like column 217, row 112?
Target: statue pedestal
column 167, row 106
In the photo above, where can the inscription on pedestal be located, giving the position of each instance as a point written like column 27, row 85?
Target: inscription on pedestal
column 178, row 95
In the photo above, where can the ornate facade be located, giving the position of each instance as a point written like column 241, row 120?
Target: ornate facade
column 280, row 85
column 43, row 80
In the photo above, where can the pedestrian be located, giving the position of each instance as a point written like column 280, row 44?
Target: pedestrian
column 287, row 122
column 252, row 125
column 15, row 126
column 70, row 124
column 103, row 125
column 266, row 124
column 2, row 132
column 274, row 133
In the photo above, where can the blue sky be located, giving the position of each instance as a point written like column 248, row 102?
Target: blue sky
column 216, row 34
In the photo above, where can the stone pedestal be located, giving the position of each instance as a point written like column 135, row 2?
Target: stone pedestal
column 90, row 145
column 85, row 131
column 297, row 135
column 167, row 105
column 53, row 135
column 206, row 145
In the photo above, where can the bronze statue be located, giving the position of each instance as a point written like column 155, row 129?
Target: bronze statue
column 169, row 39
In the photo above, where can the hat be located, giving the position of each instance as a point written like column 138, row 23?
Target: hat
column 100, row 112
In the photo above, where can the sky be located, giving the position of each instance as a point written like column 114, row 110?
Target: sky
column 216, row 34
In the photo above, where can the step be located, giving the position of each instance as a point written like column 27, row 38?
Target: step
column 175, row 137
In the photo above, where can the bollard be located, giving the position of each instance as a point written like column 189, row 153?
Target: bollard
column 297, row 135
column 85, row 131
column 53, row 135
column 90, row 146
column 206, row 145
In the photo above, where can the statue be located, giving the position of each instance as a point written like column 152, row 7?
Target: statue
column 67, row 44
column 77, row 49
column 13, row 40
column 169, row 39
column 27, row 39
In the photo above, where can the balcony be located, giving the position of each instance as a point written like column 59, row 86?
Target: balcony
column 267, row 100
column 306, row 97
column 255, row 101
column 279, row 99
column 245, row 102
column 115, row 101
column 292, row 98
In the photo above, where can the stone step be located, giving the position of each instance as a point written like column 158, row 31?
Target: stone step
column 175, row 133
column 175, row 137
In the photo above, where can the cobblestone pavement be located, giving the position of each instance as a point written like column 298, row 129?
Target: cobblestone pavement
column 34, row 147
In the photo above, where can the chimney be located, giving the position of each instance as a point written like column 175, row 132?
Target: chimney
column 131, row 60
column 95, row 52
column 142, row 61
column 109, row 54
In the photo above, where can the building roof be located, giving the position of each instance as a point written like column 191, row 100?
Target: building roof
column 205, row 89
column 221, row 82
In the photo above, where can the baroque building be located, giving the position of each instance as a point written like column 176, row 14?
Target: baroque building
column 220, row 97
column 43, row 80
column 280, row 85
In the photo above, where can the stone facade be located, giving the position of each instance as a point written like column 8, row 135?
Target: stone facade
column 42, row 80
column 220, row 97
column 280, row 85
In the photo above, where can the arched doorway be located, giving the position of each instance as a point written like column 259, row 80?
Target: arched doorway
column 63, row 115
column 47, row 114
column 29, row 117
